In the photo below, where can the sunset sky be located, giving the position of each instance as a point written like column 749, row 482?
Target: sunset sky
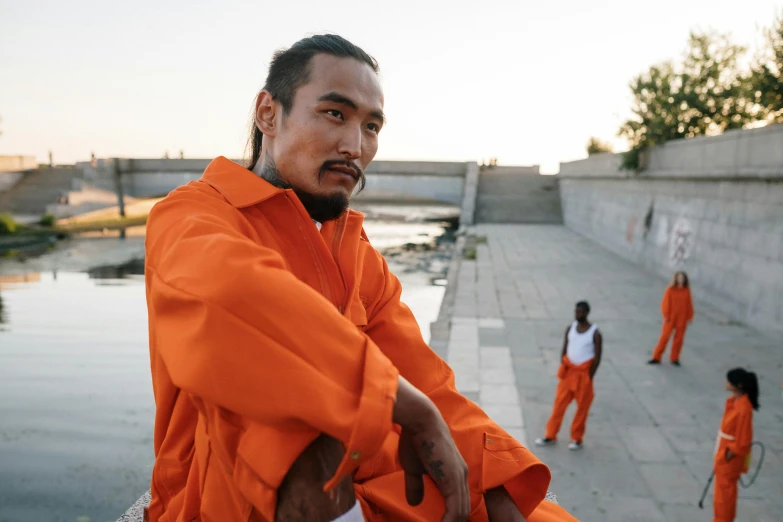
column 526, row 82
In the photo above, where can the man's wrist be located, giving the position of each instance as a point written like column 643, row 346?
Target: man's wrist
column 412, row 408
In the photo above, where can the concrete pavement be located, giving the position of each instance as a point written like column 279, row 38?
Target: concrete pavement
column 651, row 430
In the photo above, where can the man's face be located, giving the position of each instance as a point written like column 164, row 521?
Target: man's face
column 322, row 146
column 580, row 314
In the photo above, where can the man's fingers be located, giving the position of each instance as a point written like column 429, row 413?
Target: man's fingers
column 414, row 488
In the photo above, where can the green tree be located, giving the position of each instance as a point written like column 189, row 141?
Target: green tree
column 596, row 146
column 705, row 94
column 766, row 77
column 656, row 110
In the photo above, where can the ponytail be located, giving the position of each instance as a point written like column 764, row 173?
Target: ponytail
column 747, row 382
column 752, row 389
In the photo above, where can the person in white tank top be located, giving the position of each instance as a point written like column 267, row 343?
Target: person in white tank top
column 581, row 356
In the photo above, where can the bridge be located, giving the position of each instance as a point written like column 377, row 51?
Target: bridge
column 488, row 194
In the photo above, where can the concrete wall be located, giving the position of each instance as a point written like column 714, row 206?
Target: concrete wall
column 710, row 206
column 414, row 180
column 517, row 195
column 17, row 163
column 386, row 180
column 9, row 179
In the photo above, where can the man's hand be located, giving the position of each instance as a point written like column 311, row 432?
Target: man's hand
column 426, row 446
column 501, row 507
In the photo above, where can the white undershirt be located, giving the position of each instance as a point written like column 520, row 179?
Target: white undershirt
column 581, row 346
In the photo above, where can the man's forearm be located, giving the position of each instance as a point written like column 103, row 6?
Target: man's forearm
column 594, row 366
column 501, row 507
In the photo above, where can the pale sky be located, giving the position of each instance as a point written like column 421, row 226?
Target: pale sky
column 526, row 82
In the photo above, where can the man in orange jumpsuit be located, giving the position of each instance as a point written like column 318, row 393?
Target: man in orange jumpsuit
column 582, row 349
column 291, row 383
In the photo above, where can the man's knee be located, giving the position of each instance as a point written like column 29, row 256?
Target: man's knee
column 301, row 495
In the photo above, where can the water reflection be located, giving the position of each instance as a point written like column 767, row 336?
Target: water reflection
column 134, row 267
column 76, row 405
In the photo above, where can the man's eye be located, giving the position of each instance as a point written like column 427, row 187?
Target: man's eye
column 374, row 127
column 335, row 113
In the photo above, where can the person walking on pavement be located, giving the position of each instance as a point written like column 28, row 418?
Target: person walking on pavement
column 732, row 447
column 580, row 359
column 677, row 309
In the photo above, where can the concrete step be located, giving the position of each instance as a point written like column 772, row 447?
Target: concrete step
column 37, row 189
column 517, row 195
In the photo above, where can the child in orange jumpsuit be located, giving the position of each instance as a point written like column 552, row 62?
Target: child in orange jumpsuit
column 732, row 448
column 677, row 309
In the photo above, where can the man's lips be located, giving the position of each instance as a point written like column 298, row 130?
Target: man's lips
column 344, row 170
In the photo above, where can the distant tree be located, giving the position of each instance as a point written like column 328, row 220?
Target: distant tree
column 656, row 110
column 596, row 146
column 704, row 95
column 766, row 77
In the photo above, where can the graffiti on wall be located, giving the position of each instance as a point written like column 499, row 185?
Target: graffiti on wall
column 630, row 230
column 681, row 242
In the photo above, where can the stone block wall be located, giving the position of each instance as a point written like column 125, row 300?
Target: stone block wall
column 725, row 229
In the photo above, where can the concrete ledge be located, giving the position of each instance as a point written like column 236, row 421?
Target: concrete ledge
column 736, row 154
column 136, row 512
column 17, row 163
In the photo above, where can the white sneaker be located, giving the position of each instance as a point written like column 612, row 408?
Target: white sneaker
column 574, row 445
column 543, row 441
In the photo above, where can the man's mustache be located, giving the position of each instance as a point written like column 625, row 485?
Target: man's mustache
column 357, row 172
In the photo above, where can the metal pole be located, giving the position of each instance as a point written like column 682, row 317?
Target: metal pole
column 118, row 186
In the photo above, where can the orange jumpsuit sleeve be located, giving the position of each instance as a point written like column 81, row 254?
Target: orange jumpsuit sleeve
column 743, row 437
column 239, row 332
column 493, row 457
column 666, row 304
column 689, row 311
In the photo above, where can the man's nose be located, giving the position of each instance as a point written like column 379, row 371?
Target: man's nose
column 351, row 142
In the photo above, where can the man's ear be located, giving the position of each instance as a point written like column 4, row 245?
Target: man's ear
column 268, row 113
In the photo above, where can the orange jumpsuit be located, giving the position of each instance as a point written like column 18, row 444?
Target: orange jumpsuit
column 677, row 309
column 736, row 434
column 575, row 383
column 264, row 333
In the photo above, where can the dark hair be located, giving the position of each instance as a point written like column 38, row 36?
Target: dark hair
column 685, row 283
column 747, row 382
column 290, row 69
column 583, row 305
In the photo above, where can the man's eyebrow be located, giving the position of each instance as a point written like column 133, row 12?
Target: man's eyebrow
column 336, row 97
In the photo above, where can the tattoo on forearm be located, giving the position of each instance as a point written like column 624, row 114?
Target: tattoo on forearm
column 436, row 470
column 428, row 446
column 435, row 466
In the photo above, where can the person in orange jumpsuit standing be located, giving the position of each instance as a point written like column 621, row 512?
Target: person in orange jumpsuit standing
column 291, row 383
column 581, row 356
column 677, row 309
column 732, row 447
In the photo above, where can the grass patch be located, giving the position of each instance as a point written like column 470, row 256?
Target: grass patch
column 469, row 253
column 101, row 224
column 47, row 220
column 8, row 225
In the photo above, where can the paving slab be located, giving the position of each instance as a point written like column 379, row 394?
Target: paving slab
column 651, row 430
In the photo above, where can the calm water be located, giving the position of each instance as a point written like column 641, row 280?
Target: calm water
column 76, row 406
